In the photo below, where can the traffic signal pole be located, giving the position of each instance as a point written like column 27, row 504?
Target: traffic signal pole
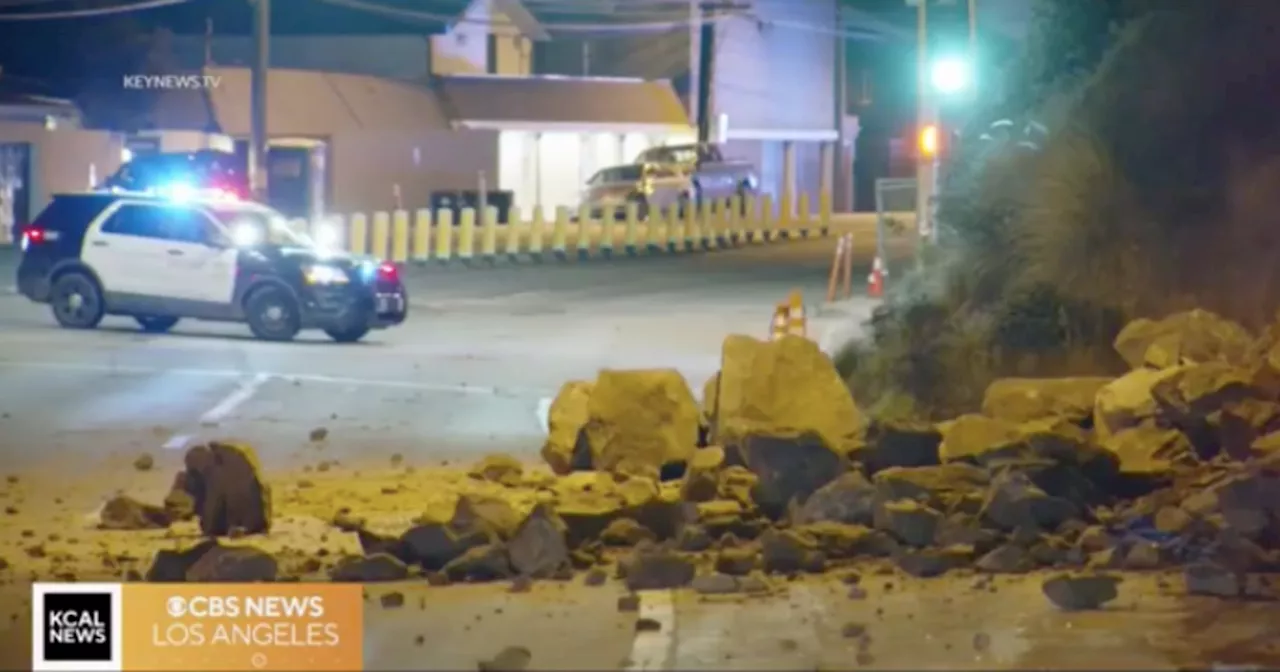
column 926, row 116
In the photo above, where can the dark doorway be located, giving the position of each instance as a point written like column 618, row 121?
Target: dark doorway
column 15, row 186
column 289, row 180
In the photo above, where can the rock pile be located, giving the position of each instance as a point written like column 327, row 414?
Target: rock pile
column 1176, row 463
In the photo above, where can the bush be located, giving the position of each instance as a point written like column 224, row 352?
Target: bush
column 1152, row 193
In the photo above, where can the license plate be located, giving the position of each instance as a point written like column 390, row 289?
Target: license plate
column 390, row 303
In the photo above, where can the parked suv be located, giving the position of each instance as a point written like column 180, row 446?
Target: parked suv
column 159, row 260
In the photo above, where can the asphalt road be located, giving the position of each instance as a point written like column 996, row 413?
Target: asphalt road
column 471, row 373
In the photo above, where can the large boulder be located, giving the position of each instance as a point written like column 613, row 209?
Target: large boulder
column 1149, row 450
column 849, row 499
column 788, row 468
column 1195, row 337
column 1127, row 401
column 1023, row 399
column 565, row 450
column 228, row 490
column 638, row 421
column 973, row 437
column 786, row 387
column 897, row 443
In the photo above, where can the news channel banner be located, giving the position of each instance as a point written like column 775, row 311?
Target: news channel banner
column 210, row 627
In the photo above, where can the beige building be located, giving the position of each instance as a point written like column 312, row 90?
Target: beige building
column 44, row 151
column 374, row 144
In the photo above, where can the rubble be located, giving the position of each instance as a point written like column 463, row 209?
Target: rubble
column 1172, row 466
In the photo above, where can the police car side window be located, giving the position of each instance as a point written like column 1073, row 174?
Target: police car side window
column 183, row 224
column 136, row 220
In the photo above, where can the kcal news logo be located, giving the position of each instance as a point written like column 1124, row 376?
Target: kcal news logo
column 76, row 626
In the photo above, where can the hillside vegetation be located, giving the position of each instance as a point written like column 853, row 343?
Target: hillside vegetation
column 1152, row 189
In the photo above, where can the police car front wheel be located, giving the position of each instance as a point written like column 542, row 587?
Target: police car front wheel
column 273, row 314
column 77, row 301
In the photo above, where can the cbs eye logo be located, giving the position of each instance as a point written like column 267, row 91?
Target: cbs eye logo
column 75, row 626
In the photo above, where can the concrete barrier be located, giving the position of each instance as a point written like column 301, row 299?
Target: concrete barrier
column 531, row 236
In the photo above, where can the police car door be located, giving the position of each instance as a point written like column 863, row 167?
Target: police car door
column 201, row 265
column 125, row 247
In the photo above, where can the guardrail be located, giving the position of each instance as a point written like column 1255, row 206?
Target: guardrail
column 467, row 237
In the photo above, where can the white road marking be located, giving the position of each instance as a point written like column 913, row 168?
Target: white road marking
column 653, row 649
column 177, row 442
column 470, row 390
column 238, row 396
column 544, row 414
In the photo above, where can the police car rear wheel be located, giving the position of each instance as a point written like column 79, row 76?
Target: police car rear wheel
column 155, row 324
column 76, row 301
column 272, row 314
column 347, row 335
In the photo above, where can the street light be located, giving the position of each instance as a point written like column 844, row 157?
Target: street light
column 950, row 76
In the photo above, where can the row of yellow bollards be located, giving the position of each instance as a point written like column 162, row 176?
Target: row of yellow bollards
column 441, row 236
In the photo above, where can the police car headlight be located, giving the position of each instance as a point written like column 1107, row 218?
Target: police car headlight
column 326, row 275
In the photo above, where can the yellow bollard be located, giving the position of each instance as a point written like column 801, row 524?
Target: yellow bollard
column 733, row 221
column 583, row 242
column 805, row 215
column 359, row 241
column 444, row 235
column 785, row 212
column 511, row 239
column 422, row 235
column 693, row 225
column 711, row 234
column 467, row 235
column 400, row 236
column 631, row 235
column 755, row 223
column 675, row 227
column 697, row 234
column 489, row 234
column 381, row 234
column 656, row 230
column 560, row 234
column 537, row 233
column 824, row 213
column 769, row 220
column 608, row 227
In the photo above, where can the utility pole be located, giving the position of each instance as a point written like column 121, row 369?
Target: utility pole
column 258, row 141
column 841, row 171
column 706, row 66
column 926, row 115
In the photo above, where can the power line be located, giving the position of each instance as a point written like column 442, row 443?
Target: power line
column 90, row 13
column 567, row 27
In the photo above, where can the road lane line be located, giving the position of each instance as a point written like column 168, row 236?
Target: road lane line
column 177, row 442
column 653, row 649
column 238, row 396
column 450, row 388
column 544, row 414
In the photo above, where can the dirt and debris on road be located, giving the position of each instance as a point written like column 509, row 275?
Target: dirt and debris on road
column 1173, row 467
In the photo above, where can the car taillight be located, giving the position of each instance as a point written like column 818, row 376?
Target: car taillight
column 388, row 272
column 34, row 235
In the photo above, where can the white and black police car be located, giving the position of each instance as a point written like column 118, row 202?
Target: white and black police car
column 161, row 258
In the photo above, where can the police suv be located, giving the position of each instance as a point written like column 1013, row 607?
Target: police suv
column 158, row 259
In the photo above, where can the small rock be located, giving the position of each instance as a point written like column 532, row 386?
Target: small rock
column 126, row 513
column 629, row 602
column 1078, row 593
column 595, row 577
column 715, row 584
column 521, row 584
column 371, row 569
column 1213, row 580
column 510, row 659
column 144, row 462
column 392, row 600
column 233, row 564
column 853, row 630
column 318, row 434
column 648, row 625
column 656, row 568
column 502, row 469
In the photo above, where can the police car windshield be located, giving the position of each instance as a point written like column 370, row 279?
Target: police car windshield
column 269, row 227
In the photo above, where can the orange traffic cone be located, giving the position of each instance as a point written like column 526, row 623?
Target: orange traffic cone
column 781, row 322
column 875, row 281
column 797, row 323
